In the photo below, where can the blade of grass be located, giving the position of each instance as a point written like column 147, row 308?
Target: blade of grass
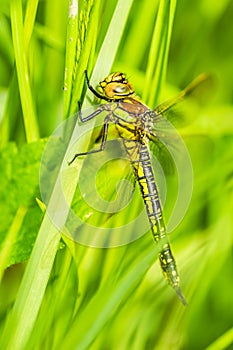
column 50, row 39
column 12, row 103
column 159, row 51
column 30, row 120
column 95, row 315
column 21, row 320
column 111, row 41
column 109, row 48
column 71, row 46
column 107, row 52
column 10, row 111
column 135, row 54
column 167, row 45
column 10, row 238
column 29, row 21
column 83, row 57
column 222, row 342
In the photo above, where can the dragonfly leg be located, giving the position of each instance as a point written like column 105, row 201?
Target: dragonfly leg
column 92, row 115
column 96, row 93
column 104, row 133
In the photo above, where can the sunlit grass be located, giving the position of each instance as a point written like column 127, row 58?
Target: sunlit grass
column 89, row 298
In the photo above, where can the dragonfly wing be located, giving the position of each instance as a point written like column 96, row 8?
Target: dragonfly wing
column 103, row 178
column 192, row 97
column 103, row 199
column 169, row 148
column 169, row 118
column 194, row 87
column 163, row 142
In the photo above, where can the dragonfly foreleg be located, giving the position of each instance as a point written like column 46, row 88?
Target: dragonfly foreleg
column 96, row 93
column 104, row 133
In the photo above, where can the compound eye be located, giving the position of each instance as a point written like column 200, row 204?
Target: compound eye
column 121, row 89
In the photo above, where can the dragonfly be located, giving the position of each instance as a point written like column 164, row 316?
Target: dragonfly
column 135, row 124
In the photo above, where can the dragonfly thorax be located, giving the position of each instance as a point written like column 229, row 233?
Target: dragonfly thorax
column 115, row 87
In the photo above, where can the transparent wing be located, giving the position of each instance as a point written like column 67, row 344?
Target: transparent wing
column 106, row 207
column 101, row 185
column 196, row 87
column 101, row 181
column 163, row 137
column 105, row 200
column 169, row 119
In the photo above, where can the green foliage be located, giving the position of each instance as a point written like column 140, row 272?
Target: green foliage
column 92, row 298
column 19, row 180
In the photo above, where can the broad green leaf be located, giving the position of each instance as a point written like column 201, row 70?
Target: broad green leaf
column 19, row 178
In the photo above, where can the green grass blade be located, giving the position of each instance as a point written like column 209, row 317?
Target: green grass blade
column 135, row 54
column 112, row 39
column 159, row 51
column 89, row 19
column 22, row 318
column 30, row 120
column 12, row 103
column 223, row 342
column 29, row 21
column 172, row 11
column 106, row 55
column 10, row 111
column 9, row 241
column 71, row 43
column 103, row 305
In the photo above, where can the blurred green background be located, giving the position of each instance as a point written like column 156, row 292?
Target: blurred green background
column 117, row 298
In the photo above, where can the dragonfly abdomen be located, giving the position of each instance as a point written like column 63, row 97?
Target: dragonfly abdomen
column 145, row 176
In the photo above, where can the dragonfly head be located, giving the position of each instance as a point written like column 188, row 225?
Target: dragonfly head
column 115, row 87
